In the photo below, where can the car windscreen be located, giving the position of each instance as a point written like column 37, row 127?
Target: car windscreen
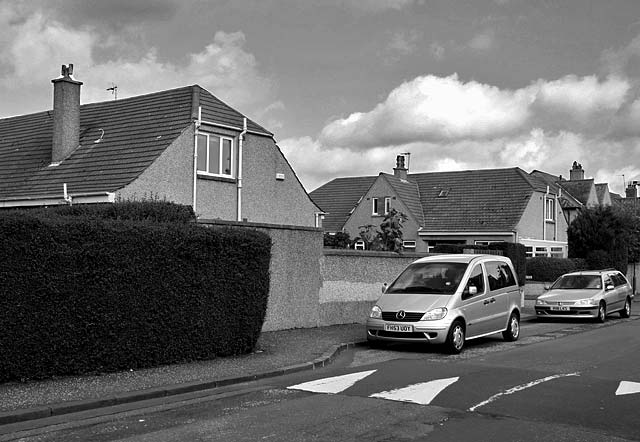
column 429, row 278
column 578, row 282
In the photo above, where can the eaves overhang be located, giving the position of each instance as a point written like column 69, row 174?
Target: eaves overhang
column 422, row 232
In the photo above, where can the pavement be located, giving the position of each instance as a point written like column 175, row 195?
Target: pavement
column 277, row 353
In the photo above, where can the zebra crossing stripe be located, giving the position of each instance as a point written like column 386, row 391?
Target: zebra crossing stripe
column 332, row 385
column 422, row 393
column 626, row 387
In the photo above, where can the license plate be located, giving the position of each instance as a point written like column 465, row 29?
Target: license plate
column 560, row 308
column 402, row 328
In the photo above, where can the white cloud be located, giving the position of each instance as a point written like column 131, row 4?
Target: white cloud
column 34, row 48
column 430, row 109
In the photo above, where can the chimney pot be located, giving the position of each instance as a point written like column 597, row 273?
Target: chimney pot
column 400, row 171
column 632, row 190
column 577, row 172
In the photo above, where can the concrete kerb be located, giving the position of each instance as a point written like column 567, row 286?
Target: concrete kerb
column 42, row 412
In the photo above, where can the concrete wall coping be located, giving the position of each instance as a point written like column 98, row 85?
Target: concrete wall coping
column 374, row 254
column 219, row 222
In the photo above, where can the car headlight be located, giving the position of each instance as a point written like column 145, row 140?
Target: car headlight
column 435, row 314
column 541, row 302
column 588, row 301
column 376, row 312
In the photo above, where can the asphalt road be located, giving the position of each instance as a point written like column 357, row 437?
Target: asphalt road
column 560, row 382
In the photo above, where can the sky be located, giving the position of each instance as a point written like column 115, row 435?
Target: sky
column 347, row 85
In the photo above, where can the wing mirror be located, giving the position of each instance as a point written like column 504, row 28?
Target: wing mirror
column 610, row 287
column 469, row 291
column 384, row 287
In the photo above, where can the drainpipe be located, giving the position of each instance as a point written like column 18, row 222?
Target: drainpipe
column 544, row 215
column 196, row 132
column 239, row 181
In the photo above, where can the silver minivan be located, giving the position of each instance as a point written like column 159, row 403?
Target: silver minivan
column 448, row 299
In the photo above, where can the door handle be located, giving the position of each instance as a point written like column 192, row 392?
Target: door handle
column 490, row 301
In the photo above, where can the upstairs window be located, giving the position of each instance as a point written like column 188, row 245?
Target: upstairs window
column 387, row 205
column 216, row 155
column 375, row 210
column 549, row 210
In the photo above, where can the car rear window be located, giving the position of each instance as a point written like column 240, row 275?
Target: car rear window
column 429, row 278
column 578, row 282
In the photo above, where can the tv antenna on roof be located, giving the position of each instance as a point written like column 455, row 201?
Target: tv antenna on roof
column 624, row 185
column 114, row 90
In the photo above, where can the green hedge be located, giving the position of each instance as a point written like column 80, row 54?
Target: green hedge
column 514, row 251
column 151, row 210
column 81, row 297
column 548, row 269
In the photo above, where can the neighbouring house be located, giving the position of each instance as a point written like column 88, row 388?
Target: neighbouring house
column 182, row 145
column 462, row 207
column 577, row 192
column 631, row 199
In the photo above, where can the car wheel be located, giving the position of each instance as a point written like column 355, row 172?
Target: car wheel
column 626, row 311
column 512, row 333
column 602, row 313
column 455, row 338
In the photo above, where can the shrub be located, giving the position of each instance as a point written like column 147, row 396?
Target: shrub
column 547, row 269
column 339, row 240
column 79, row 297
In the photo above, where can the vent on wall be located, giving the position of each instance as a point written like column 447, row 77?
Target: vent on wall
column 280, row 176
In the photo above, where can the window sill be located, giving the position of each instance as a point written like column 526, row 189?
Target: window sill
column 203, row 176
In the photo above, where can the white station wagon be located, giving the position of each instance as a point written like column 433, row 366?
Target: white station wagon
column 448, row 299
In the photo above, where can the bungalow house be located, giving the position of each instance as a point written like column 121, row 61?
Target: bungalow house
column 182, row 145
column 463, row 207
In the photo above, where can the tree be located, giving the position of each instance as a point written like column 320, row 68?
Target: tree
column 601, row 236
column 389, row 237
column 338, row 240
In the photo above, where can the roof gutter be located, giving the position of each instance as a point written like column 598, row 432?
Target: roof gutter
column 465, row 233
column 56, row 200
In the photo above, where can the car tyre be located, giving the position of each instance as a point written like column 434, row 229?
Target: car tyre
column 455, row 338
column 602, row 313
column 512, row 333
column 626, row 311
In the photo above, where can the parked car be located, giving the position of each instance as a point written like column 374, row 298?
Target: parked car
column 448, row 299
column 590, row 294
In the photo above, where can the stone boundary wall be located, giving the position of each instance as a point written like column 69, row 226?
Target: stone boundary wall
column 352, row 282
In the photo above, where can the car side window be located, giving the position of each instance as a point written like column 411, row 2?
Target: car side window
column 608, row 281
column 500, row 275
column 476, row 278
column 618, row 279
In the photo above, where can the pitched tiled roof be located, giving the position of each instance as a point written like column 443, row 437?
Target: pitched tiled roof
column 580, row 189
column 474, row 200
column 409, row 193
column 133, row 132
column 338, row 197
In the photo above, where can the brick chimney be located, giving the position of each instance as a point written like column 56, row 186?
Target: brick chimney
column 576, row 173
column 632, row 190
column 400, row 171
column 66, row 114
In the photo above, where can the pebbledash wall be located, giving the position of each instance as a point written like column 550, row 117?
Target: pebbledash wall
column 311, row 286
column 352, row 282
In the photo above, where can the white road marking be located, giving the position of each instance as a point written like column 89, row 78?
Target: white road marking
column 520, row 388
column 422, row 393
column 332, row 385
column 627, row 387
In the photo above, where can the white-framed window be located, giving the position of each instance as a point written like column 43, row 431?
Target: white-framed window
column 529, row 251
column 409, row 244
column 549, row 210
column 486, row 242
column 216, row 155
column 359, row 245
column 375, row 210
column 557, row 252
column 387, row 205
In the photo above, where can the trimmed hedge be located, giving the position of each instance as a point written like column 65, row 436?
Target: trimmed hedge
column 151, row 210
column 548, row 269
column 514, row 251
column 81, row 297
